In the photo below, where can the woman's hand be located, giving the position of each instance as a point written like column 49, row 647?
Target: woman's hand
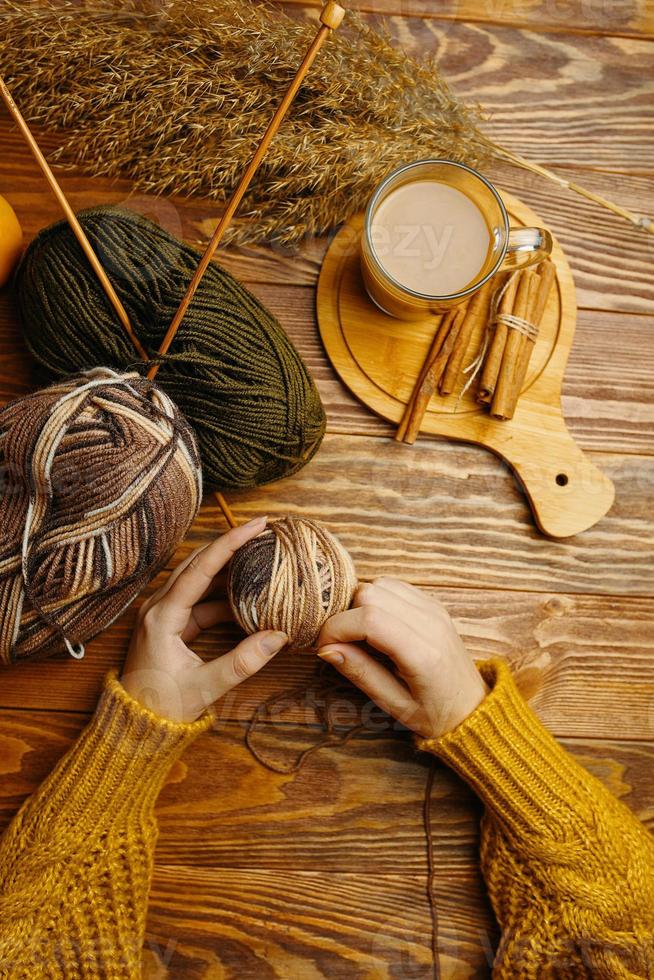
column 161, row 671
column 432, row 683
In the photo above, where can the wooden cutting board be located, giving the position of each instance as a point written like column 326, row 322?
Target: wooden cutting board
column 379, row 357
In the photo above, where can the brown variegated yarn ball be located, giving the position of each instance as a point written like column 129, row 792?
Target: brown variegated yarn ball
column 100, row 481
column 291, row 577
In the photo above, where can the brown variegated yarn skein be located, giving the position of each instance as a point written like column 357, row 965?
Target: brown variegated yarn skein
column 101, row 480
column 291, row 577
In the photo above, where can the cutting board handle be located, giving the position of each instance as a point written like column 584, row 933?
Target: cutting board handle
column 566, row 491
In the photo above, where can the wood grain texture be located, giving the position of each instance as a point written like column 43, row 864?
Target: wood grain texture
column 302, row 870
column 553, row 98
column 574, row 99
column 451, row 516
column 607, row 392
column 235, row 894
column 620, row 17
column 612, row 262
column 292, row 925
column 221, row 808
column 586, row 661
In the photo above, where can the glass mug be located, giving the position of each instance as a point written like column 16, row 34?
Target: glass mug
column 508, row 248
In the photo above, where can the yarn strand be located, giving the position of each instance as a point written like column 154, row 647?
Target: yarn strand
column 320, row 698
column 431, row 870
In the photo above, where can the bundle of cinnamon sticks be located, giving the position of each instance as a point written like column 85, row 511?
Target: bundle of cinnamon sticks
column 444, row 362
column 510, row 341
column 513, row 336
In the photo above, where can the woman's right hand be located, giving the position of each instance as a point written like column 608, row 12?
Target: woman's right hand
column 430, row 682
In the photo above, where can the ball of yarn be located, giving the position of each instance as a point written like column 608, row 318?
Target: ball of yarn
column 291, row 577
column 101, row 480
column 232, row 370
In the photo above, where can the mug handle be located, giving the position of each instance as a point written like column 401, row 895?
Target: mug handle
column 526, row 247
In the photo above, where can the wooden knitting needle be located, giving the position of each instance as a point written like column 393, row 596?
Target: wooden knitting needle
column 226, row 509
column 71, row 217
column 87, row 248
column 331, row 17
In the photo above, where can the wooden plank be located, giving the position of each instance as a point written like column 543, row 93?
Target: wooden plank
column 255, row 925
column 221, row 808
column 587, row 662
column 568, row 91
column 550, row 97
column 337, row 812
column 451, row 516
column 624, row 17
column 558, row 98
column 608, row 391
column 605, row 251
column 448, row 515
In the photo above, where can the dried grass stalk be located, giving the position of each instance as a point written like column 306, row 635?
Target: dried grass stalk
column 175, row 96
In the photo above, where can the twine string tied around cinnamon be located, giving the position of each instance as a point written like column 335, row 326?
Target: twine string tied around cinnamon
column 512, row 322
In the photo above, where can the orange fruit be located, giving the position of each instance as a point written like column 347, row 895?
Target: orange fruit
column 11, row 241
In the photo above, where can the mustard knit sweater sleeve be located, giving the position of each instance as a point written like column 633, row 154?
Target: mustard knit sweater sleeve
column 76, row 862
column 569, row 869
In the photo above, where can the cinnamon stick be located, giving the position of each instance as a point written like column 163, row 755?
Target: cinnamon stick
column 491, row 367
column 504, row 399
column 547, row 275
column 424, row 392
column 443, row 325
column 476, row 311
column 547, row 272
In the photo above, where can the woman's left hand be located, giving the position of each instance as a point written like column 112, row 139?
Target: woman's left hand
column 161, row 671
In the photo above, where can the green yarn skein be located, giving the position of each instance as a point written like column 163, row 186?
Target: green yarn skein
column 232, row 370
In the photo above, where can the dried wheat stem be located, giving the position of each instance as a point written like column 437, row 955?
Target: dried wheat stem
column 640, row 221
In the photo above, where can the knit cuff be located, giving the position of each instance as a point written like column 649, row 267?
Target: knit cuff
column 120, row 760
column 523, row 776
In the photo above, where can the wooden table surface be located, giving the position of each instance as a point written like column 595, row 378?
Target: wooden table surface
column 321, row 874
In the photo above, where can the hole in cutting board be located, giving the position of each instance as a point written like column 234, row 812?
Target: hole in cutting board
column 562, row 479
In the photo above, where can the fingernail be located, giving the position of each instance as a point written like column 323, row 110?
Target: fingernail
column 273, row 642
column 331, row 656
column 256, row 522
